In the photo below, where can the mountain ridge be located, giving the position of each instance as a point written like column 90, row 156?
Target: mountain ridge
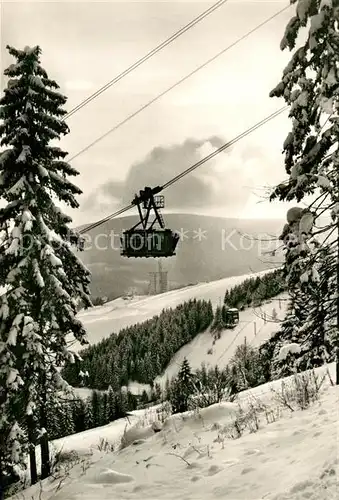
column 209, row 248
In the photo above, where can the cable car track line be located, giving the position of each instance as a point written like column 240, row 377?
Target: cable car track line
column 193, row 167
column 106, row 219
column 235, row 338
column 145, row 58
column 179, row 82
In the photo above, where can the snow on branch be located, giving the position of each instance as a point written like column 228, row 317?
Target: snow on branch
column 285, row 350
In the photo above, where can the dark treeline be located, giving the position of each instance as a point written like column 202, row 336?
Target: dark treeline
column 140, row 352
column 72, row 415
column 253, row 291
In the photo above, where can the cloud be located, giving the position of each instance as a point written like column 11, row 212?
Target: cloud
column 226, row 181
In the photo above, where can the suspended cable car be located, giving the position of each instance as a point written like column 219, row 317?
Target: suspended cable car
column 231, row 317
column 143, row 239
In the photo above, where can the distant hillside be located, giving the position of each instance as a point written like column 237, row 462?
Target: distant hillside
column 118, row 314
column 199, row 259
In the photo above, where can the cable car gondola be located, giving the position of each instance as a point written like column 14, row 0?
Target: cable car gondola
column 147, row 241
column 231, row 317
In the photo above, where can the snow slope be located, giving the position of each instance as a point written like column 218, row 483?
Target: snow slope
column 193, row 457
column 101, row 321
column 252, row 326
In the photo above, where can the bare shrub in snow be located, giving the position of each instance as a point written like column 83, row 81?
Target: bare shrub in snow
column 63, row 463
column 235, row 429
column 182, row 458
column 85, row 465
column 301, row 392
column 105, row 445
column 153, row 415
column 164, row 411
column 272, row 414
column 63, row 457
column 248, row 419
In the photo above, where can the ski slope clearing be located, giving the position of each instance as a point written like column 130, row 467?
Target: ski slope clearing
column 255, row 325
column 101, row 321
column 194, row 457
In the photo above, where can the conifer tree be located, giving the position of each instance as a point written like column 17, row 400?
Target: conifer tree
column 310, row 86
column 288, row 334
column 79, row 415
column 167, row 389
column 111, row 404
column 121, row 404
column 88, row 421
column 42, row 276
column 156, row 392
column 104, row 409
column 182, row 388
column 144, row 399
column 96, row 408
column 245, row 366
column 218, row 323
column 131, row 401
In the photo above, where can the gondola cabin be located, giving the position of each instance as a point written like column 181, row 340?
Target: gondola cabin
column 231, row 317
column 148, row 241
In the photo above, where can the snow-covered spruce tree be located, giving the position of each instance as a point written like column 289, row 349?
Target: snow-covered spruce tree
column 218, row 322
column 310, row 86
column 319, row 329
column 42, row 276
column 306, row 336
column 282, row 363
column 245, row 367
column 182, row 388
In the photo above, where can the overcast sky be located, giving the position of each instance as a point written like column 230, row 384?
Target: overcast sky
column 86, row 44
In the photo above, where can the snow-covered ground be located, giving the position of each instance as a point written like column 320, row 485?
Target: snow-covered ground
column 133, row 387
column 113, row 316
column 193, row 457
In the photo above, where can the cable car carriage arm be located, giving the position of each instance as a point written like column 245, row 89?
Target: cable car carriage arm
column 146, row 241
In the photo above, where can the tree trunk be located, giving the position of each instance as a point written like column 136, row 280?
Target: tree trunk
column 32, row 464
column 45, row 462
column 32, row 456
column 2, row 485
column 44, row 444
